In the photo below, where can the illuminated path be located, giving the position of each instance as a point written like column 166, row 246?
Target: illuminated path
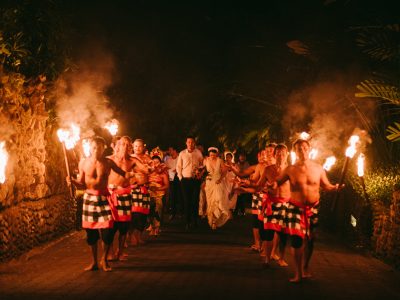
column 200, row 265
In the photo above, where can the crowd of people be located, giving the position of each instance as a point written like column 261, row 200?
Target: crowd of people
column 125, row 193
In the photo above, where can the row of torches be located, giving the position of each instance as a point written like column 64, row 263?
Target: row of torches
column 70, row 137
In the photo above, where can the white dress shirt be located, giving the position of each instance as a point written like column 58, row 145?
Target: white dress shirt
column 188, row 162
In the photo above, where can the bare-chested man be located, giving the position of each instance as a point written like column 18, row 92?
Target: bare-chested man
column 254, row 172
column 276, row 204
column 97, row 217
column 140, row 192
column 120, row 190
column 305, row 177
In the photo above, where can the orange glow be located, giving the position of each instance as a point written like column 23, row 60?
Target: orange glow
column 360, row 165
column 313, row 153
column 352, row 149
column 3, row 162
column 329, row 162
column 86, row 147
column 304, row 135
column 112, row 126
column 69, row 136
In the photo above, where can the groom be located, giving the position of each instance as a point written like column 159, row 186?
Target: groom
column 189, row 161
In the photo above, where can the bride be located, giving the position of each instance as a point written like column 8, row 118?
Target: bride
column 217, row 200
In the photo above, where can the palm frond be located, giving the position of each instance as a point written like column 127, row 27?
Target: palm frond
column 381, row 43
column 394, row 132
column 379, row 89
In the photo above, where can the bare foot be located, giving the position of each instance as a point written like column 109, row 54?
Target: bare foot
column 105, row 266
column 255, row 248
column 263, row 253
column 282, row 263
column 295, row 279
column 91, row 267
column 275, row 257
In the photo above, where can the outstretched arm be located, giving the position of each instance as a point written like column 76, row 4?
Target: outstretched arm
column 325, row 183
column 118, row 170
column 250, row 170
column 283, row 177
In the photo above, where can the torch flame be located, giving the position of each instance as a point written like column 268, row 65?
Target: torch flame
column 293, row 157
column 112, row 126
column 69, row 136
column 360, row 164
column 86, row 147
column 352, row 149
column 313, row 153
column 330, row 161
column 304, row 135
column 3, row 162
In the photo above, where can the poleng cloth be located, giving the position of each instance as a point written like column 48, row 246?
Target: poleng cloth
column 141, row 199
column 256, row 203
column 96, row 211
column 301, row 220
column 276, row 217
column 121, row 203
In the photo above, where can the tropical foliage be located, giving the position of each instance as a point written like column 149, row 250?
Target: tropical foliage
column 33, row 38
column 380, row 183
column 381, row 43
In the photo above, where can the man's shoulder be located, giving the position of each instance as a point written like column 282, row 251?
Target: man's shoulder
column 182, row 152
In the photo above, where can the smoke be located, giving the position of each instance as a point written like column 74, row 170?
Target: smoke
column 81, row 94
column 6, row 128
column 327, row 112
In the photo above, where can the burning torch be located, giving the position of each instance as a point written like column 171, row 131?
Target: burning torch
column 68, row 139
column 313, row 153
column 304, row 136
column 112, row 127
column 3, row 162
column 329, row 162
column 350, row 152
column 86, row 147
column 360, row 173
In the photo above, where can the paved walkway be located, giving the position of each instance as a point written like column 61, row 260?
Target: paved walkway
column 198, row 265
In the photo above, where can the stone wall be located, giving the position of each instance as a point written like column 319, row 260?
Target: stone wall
column 33, row 208
column 386, row 234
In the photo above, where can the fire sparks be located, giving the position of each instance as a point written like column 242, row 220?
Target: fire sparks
column 293, row 157
column 352, row 149
column 330, row 161
column 112, row 126
column 360, row 165
column 3, row 162
column 313, row 153
column 69, row 136
column 304, row 135
column 86, row 147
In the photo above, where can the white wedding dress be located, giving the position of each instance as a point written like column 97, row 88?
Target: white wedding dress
column 217, row 199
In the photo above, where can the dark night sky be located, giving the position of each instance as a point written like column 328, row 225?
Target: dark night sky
column 186, row 56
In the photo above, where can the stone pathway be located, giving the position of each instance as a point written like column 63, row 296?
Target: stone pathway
column 197, row 265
